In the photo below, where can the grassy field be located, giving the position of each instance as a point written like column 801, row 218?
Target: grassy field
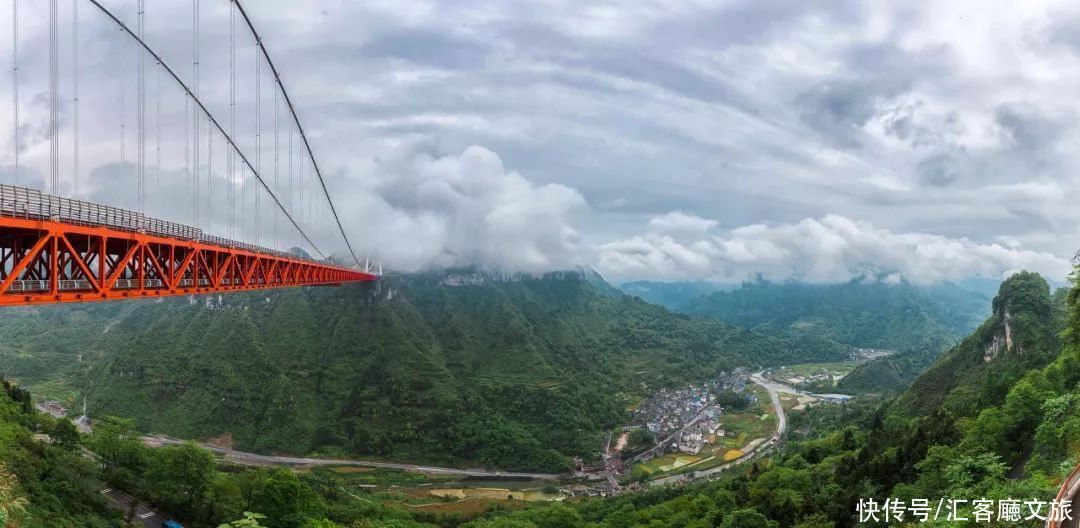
column 57, row 389
column 841, row 368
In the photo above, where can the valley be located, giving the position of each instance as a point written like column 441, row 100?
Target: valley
column 681, row 417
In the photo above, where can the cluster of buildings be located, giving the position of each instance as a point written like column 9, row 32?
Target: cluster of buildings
column 670, row 409
column 704, row 432
column 53, row 408
column 688, row 419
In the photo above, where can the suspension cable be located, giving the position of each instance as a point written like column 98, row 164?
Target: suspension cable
column 299, row 127
column 141, row 95
column 209, row 176
column 231, row 189
column 277, row 153
column 75, row 96
column 15, row 85
column 195, row 121
column 54, row 99
column 258, row 135
column 292, row 190
column 157, row 126
column 217, row 125
column 123, row 117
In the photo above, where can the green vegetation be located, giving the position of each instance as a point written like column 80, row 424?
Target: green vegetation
column 920, row 322
column 41, row 484
column 996, row 416
column 998, row 428
column 515, row 373
column 895, row 371
column 860, row 313
column 639, row 439
column 731, row 400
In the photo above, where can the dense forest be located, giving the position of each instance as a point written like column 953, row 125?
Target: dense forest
column 993, row 418
column 996, row 416
column 463, row 368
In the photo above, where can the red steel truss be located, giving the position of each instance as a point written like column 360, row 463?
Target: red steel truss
column 50, row 261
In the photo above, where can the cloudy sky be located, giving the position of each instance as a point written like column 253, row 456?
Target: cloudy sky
column 663, row 140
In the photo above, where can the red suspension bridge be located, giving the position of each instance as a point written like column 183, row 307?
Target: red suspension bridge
column 56, row 248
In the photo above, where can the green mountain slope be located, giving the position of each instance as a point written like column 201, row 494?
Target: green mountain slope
column 463, row 367
column 863, row 313
column 1017, row 439
column 44, row 484
column 1019, row 336
column 893, row 372
column 1006, row 424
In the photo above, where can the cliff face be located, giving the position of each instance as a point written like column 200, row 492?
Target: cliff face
column 1002, row 342
column 1018, row 336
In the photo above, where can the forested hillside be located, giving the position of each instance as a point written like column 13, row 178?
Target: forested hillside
column 1006, row 424
column 1003, row 420
column 894, row 372
column 44, row 485
column 1021, row 334
column 464, row 367
column 861, row 313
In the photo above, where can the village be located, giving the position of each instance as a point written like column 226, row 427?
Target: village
column 699, row 426
column 686, row 419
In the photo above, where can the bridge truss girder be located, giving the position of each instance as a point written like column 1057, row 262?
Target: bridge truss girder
column 46, row 261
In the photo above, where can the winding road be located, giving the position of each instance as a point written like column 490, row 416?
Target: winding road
column 253, row 459
column 774, row 389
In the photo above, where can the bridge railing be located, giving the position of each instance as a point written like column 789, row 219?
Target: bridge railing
column 1067, row 486
column 30, row 203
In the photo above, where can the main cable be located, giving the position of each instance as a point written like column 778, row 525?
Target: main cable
column 221, row 130
column 299, row 127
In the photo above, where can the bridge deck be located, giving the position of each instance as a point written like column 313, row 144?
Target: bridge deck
column 57, row 250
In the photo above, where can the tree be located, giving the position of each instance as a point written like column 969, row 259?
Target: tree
column 182, row 475
column 118, row 445
column 747, row 518
column 640, row 439
column 321, row 523
column 287, row 500
column 557, row 515
column 65, row 434
column 250, row 520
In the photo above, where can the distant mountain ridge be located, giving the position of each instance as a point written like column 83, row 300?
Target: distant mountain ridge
column 859, row 313
column 672, row 295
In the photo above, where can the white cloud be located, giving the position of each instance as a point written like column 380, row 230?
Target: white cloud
column 418, row 210
column 828, row 249
column 947, row 130
column 680, row 221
